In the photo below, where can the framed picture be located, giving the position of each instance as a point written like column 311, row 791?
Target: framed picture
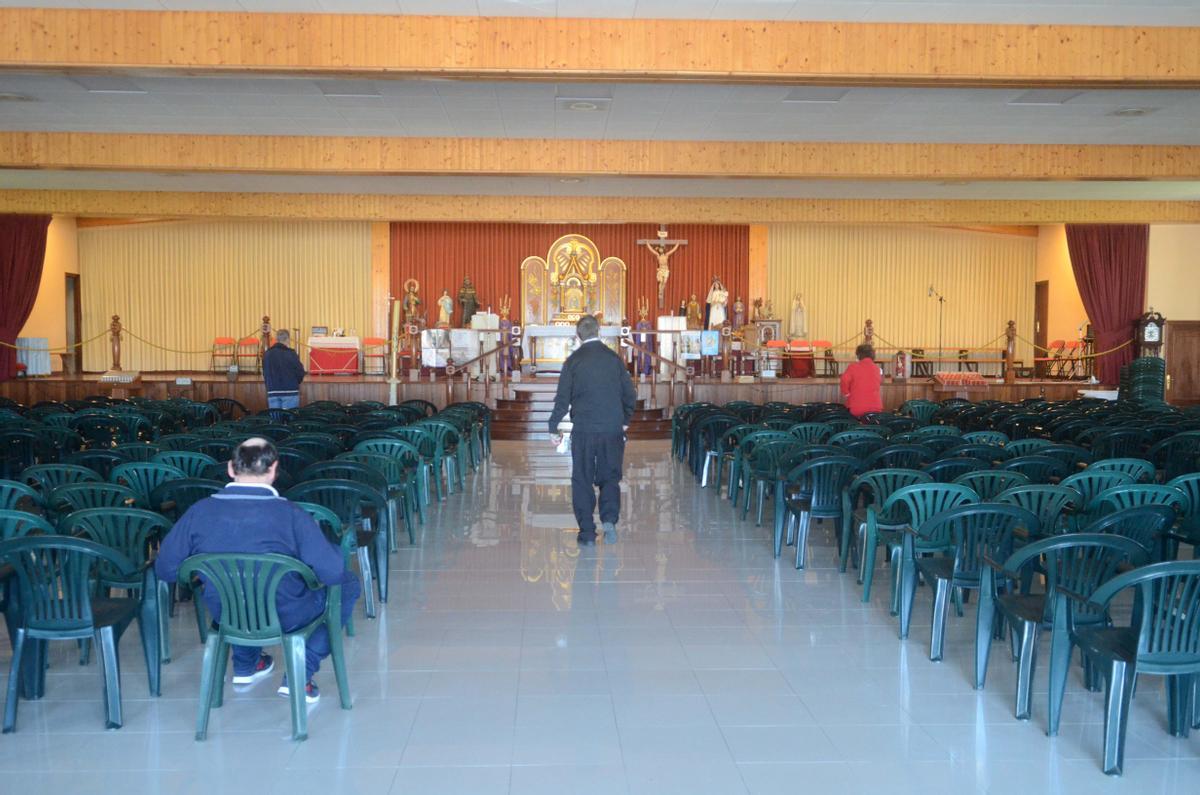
column 320, row 331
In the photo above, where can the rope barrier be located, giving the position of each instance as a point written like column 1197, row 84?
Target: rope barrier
column 62, row 349
column 1037, row 347
column 173, row 350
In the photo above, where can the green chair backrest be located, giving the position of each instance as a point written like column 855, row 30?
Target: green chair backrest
column 144, row 477
column 13, row 494
column 1166, row 614
column 1141, row 470
column 54, row 578
column 1038, row 468
column 986, row 437
column 137, row 451
column 948, row 470
column 405, row 452
column 1190, row 485
column 78, row 496
column 973, row 531
column 194, row 465
column 824, row 479
column 99, row 461
column 180, row 494
column 900, row 456
column 345, row 470
column 811, row 432
column 1133, row 495
column 1070, row 454
column 917, row 503
column 346, row 498
column 1078, row 562
column 988, row 483
column 327, row 520
column 393, row 469
column 1091, row 482
column 1144, row 524
column 1047, row 502
column 985, row 452
column 1023, row 447
column 246, row 586
column 48, row 476
column 15, row 524
column 126, row 530
column 929, row 431
column 879, row 484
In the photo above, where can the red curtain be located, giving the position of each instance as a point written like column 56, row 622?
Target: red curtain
column 439, row 255
column 22, row 250
column 1109, row 262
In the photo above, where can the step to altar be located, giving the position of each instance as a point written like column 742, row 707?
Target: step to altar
column 523, row 417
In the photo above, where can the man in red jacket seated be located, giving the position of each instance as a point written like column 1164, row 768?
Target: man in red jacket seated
column 860, row 383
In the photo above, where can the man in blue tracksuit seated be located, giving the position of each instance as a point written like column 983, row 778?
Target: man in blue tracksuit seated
column 249, row 516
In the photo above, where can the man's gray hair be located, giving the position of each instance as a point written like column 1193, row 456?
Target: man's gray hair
column 587, row 328
column 283, row 336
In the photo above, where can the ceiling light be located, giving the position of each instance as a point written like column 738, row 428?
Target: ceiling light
column 9, row 97
column 570, row 180
column 582, row 104
column 1132, row 112
column 1044, row 96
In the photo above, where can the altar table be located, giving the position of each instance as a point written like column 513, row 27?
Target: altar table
column 333, row 355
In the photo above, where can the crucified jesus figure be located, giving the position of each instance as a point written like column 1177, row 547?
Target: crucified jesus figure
column 663, row 272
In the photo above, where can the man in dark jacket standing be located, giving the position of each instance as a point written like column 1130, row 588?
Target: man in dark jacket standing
column 283, row 373
column 596, row 388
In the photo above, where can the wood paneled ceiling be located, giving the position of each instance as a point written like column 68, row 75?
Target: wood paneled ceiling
column 182, row 105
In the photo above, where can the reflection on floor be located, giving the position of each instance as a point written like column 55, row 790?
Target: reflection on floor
column 681, row 660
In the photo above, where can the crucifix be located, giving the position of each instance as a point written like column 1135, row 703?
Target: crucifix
column 659, row 248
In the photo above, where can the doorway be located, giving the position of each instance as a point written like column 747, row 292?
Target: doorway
column 1182, row 350
column 1041, row 320
column 73, row 358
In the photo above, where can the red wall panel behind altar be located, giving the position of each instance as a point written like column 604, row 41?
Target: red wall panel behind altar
column 439, row 255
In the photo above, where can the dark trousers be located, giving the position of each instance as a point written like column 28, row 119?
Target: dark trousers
column 317, row 646
column 596, row 461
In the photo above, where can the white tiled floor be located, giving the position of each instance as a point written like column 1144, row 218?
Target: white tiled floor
column 683, row 659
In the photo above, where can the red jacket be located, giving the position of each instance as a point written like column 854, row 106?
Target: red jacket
column 860, row 387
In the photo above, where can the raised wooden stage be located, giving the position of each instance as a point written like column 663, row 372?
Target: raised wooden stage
column 249, row 390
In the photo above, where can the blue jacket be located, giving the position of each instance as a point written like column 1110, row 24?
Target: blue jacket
column 282, row 371
column 255, row 519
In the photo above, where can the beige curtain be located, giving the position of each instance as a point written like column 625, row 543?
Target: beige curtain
column 181, row 284
column 850, row 273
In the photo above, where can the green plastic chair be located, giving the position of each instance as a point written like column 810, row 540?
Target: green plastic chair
column 872, row 489
column 1148, row 525
column 900, row 456
column 1131, row 496
column 99, row 461
column 433, row 453
column 177, row 441
column 1072, row 455
column 1038, row 468
column 454, row 452
column 988, row 483
column 739, row 472
column 1023, row 447
column 335, row 533
column 920, row 410
column 1049, row 503
column 172, row 498
column 969, row 533
column 246, row 586
column 996, row 438
column 367, row 475
column 913, row 505
column 1189, row 522
column 1089, row 484
column 144, row 477
column 1079, row 562
column 54, row 580
column 819, row 487
column 811, row 432
column 1141, row 470
column 193, row 465
column 1162, row 639
column 991, row 453
column 401, row 482
column 137, row 452
column 46, row 477
column 949, row 470
column 409, row 457
column 1118, row 443
column 1176, row 455
column 355, row 504
column 131, row 532
column 79, row 496
column 14, row 494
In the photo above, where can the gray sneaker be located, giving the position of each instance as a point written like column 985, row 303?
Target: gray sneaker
column 610, row 532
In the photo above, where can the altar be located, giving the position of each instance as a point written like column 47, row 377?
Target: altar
column 547, row 347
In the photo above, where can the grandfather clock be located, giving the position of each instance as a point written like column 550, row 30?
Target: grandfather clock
column 1150, row 333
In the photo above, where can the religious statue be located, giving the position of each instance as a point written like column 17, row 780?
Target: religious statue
column 470, row 304
column 510, row 359
column 799, row 327
column 718, row 296
column 695, row 320
column 114, row 328
column 445, row 309
column 411, row 303
column 739, row 314
column 662, row 254
column 682, row 308
column 768, row 310
column 643, row 365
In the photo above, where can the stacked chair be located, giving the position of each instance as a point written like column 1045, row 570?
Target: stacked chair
column 89, row 488
column 1050, row 512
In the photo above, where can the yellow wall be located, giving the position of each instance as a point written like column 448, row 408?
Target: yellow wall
column 182, row 284
column 850, row 273
column 1171, row 285
column 1066, row 312
column 49, row 316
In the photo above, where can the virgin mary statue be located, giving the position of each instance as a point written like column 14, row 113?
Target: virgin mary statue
column 718, row 297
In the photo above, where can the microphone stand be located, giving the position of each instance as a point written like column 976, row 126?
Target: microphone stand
column 941, row 325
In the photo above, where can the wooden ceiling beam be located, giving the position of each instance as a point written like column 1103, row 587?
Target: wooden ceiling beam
column 583, row 209
column 593, row 158
column 560, row 49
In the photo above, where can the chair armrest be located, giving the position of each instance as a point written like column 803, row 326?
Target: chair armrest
column 1074, row 596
